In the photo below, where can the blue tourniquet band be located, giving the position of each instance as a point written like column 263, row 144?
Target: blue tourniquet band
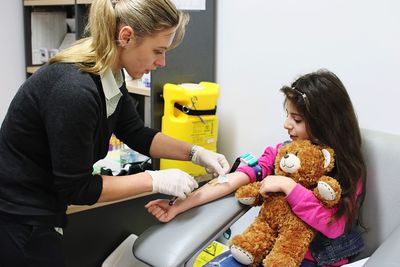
column 258, row 172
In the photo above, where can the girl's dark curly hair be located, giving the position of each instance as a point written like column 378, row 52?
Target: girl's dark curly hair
column 331, row 120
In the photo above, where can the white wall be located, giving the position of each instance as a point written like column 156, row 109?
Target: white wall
column 12, row 61
column 264, row 44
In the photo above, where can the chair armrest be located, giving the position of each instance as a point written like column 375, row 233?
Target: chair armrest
column 176, row 242
column 387, row 254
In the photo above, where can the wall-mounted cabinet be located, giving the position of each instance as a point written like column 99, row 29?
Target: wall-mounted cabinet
column 40, row 18
column 51, row 25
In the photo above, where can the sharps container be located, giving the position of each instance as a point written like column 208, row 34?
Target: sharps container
column 190, row 115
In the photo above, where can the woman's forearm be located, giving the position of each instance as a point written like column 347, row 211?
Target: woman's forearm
column 164, row 146
column 119, row 187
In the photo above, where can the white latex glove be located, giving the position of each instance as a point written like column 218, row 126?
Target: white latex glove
column 213, row 162
column 173, row 182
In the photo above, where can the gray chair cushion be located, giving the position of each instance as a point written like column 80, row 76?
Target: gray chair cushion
column 177, row 242
column 382, row 203
column 388, row 253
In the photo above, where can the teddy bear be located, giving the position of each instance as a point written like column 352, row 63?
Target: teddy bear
column 277, row 237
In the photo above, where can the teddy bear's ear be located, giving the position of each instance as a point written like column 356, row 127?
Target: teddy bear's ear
column 328, row 158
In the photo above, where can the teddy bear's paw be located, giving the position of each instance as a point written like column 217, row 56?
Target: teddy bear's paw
column 241, row 255
column 326, row 191
column 247, row 200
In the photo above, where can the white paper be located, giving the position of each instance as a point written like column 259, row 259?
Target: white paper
column 358, row 263
column 68, row 40
column 48, row 30
column 190, row 4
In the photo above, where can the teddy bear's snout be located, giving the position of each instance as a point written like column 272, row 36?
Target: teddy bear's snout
column 290, row 163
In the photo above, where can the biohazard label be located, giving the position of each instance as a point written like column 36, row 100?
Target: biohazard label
column 214, row 249
column 203, row 132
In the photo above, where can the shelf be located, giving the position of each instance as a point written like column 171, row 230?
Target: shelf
column 32, row 69
column 133, row 87
column 78, row 208
column 83, row 2
column 55, row 2
column 49, row 2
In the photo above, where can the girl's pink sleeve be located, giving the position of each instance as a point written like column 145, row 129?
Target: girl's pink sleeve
column 266, row 162
column 309, row 209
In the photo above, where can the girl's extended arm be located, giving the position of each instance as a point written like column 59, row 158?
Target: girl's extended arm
column 164, row 212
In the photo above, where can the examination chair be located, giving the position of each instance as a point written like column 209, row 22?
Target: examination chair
column 178, row 242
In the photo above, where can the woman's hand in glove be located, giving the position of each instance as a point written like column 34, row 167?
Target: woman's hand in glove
column 214, row 163
column 173, row 182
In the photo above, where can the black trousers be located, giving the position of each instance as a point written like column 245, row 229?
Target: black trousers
column 29, row 245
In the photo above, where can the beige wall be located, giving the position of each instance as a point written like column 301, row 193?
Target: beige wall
column 12, row 51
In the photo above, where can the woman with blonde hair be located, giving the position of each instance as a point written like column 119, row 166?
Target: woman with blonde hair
column 61, row 120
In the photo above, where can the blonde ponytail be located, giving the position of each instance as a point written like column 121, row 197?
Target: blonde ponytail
column 98, row 52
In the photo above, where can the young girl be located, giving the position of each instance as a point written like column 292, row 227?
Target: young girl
column 318, row 108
